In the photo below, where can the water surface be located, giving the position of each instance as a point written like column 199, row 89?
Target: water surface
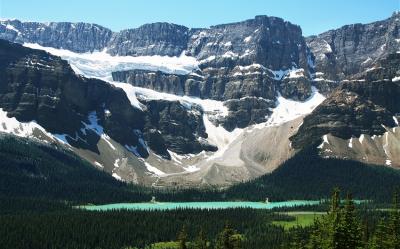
column 196, row 205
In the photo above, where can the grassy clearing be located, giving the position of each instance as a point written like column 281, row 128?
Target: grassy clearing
column 301, row 219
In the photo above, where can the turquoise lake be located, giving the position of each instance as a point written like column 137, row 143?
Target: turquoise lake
column 196, row 205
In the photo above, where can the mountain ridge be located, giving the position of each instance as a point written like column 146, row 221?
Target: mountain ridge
column 241, row 78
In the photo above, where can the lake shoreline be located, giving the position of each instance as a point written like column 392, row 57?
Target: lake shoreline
column 150, row 206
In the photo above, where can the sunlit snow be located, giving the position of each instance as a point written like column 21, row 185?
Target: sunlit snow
column 101, row 64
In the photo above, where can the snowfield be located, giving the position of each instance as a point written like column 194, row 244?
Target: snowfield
column 101, row 64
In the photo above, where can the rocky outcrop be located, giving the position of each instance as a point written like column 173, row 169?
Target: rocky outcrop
column 38, row 86
column 223, row 50
column 353, row 48
column 210, row 83
column 354, row 108
column 150, row 39
column 170, row 125
column 269, row 41
column 386, row 69
column 162, row 82
column 246, row 111
column 77, row 37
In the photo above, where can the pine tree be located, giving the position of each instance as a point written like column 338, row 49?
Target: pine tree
column 349, row 228
column 182, row 238
column 379, row 240
column 201, row 241
column 394, row 225
column 228, row 239
column 298, row 241
column 387, row 234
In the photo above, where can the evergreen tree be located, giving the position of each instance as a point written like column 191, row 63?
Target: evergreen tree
column 394, row 225
column 379, row 240
column 339, row 229
column 228, row 239
column 387, row 234
column 182, row 238
column 201, row 241
column 349, row 228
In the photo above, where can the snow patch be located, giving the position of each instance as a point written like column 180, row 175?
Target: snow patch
column 106, row 138
column 208, row 105
column 116, row 176
column 228, row 44
column 324, row 141
column 229, row 54
column 101, row 64
column 396, row 121
column 21, row 129
column 191, row 168
column 116, row 163
column 98, row 164
column 130, row 92
column 295, row 73
column 247, row 39
column 218, row 136
column 287, row 109
column 361, row 139
column 367, row 60
column 397, row 78
column 153, row 169
column 10, row 27
column 351, row 143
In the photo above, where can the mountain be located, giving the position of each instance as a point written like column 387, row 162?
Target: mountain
column 165, row 105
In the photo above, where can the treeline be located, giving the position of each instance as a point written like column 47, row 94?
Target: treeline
column 121, row 229
column 32, row 223
column 307, row 176
column 29, row 169
column 344, row 228
column 33, row 170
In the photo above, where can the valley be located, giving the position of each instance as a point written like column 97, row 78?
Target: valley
column 247, row 134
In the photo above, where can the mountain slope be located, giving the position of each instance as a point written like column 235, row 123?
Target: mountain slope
column 31, row 169
column 309, row 176
column 210, row 106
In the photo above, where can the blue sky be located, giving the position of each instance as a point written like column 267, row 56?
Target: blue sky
column 314, row 16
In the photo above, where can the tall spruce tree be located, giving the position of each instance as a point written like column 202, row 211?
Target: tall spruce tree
column 349, row 228
column 201, row 241
column 228, row 239
column 182, row 238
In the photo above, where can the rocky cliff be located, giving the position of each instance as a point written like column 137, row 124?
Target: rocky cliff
column 366, row 105
column 38, row 86
column 235, row 60
column 353, row 48
column 150, row 39
column 78, row 37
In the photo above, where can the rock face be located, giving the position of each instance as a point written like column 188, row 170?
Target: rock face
column 351, row 110
column 246, row 111
column 38, row 86
column 229, row 54
column 210, row 83
column 268, row 41
column 41, row 87
column 353, row 48
column 361, row 106
column 78, row 37
column 170, row 125
column 150, row 39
